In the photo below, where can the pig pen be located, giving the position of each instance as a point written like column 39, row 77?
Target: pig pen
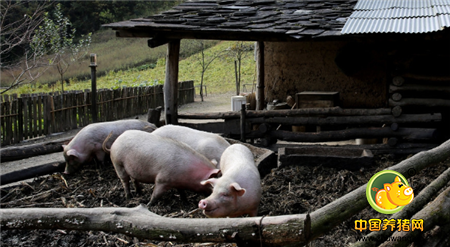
column 289, row 190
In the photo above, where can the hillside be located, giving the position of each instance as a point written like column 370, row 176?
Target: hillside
column 129, row 62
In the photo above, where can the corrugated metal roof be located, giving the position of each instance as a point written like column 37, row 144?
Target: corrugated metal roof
column 398, row 16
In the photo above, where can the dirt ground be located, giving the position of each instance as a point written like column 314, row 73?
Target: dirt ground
column 291, row 190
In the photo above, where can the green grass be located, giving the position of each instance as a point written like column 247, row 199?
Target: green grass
column 128, row 62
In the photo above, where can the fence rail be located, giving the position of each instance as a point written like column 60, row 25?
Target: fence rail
column 34, row 115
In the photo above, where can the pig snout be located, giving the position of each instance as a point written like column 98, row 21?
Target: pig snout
column 202, row 204
column 207, row 207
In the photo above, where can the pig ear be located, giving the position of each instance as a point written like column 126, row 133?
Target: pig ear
column 397, row 179
column 387, row 187
column 72, row 152
column 210, row 181
column 235, row 187
column 214, row 173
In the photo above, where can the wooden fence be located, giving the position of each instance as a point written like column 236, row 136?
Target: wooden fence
column 35, row 115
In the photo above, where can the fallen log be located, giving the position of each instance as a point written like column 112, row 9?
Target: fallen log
column 327, row 217
column 141, row 223
column 435, row 213
column 331, row 111
column 347, row 134
column 378, row 237
column 32, row 172
column 352, row 120
column 23, row 152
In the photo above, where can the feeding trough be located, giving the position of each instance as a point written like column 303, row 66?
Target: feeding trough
column 336, row 157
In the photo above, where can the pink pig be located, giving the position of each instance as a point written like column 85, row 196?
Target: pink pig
column 88, row 142
column 238, row 191
column 209, row 144
column 149, row 158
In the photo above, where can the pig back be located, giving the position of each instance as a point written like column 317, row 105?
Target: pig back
column 237, row 165
column 145, row 154
column 210, row 145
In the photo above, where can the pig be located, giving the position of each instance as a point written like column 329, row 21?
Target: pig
column 209, row 144
column 149, row 158
column 88, row 142
column 238, row 191
column 394, row 194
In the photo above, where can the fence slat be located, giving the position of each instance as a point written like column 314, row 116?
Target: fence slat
column 30, row 116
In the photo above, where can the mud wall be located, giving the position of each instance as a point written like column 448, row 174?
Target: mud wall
column 293, row 67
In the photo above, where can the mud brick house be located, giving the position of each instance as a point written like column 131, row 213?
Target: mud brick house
column 373, row 53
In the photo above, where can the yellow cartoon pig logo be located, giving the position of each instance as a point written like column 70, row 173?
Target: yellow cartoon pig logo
column 394, row 195
column 388, row 191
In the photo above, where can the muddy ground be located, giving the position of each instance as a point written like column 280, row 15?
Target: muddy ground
column 291, row 190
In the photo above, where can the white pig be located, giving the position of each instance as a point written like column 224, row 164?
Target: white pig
column 148, row 158
column 209, row 144
column 238, row 191
column 88, row 142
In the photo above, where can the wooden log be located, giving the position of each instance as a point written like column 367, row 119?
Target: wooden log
column 420, row 102
column 426, row 77
column 331, row 111
column 347, row 134
column 398, row 81
column 352, row 120
column 141, row 223
column 325, row 218
column 397, row 111
column 22, row 152
column 260, row 72
column 435, row 213
column 32, row 172
column 421, row 200
column 419, row 88
column 171, row 82
column 396, row 97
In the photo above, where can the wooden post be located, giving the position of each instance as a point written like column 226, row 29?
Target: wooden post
column 260, row 83
column 171, row 82
column 93, row 66
column 243, row 123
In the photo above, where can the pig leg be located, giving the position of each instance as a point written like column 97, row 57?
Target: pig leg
column 137, row 186
column 124, row 178
column 158, row 191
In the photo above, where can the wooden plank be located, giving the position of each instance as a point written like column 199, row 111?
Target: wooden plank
column 47, row 100
column 74, row 110
column 15, row 110
column 87, row 99
column 7, row 122
column 35, row 119
column 25, row 117
column 40, row 117
column 171, row 82
column 20, row 118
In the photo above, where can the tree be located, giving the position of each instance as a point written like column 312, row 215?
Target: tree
column 18, row 22
column 58, row 39
column 238, row 51
column 205, row 60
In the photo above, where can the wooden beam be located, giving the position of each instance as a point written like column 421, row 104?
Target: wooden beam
column 155, row 42
column 420, row 102
column 305, row 112
column 260, row 83
column 171, row 82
